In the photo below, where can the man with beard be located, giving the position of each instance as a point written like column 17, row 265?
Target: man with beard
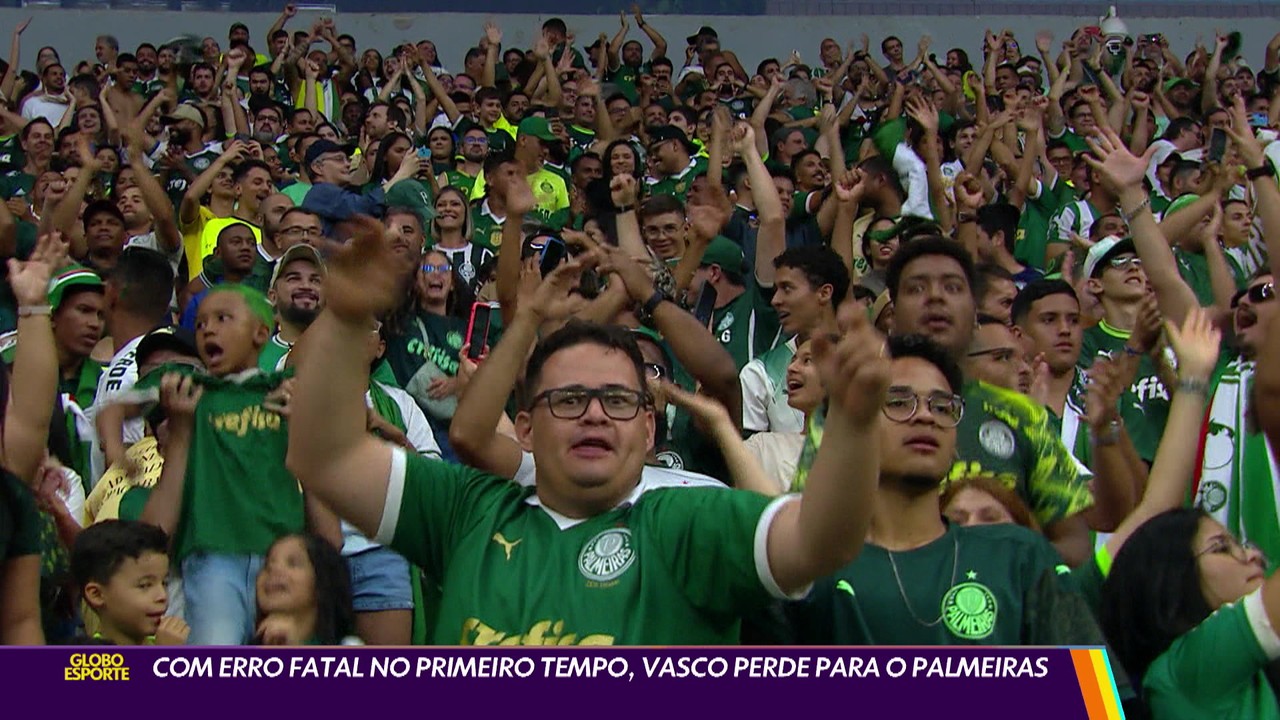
column 268, row 123
column 148, row 82
column 52, row 101
column 473, row 149
column 907, row 586
column 676, row 162
column 295, row 293
column 137, row 296
column 184, row 155
column 149, row 218
column 626, row 68
column 995, row 356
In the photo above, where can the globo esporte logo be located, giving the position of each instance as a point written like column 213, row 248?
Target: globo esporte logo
column 96, row 666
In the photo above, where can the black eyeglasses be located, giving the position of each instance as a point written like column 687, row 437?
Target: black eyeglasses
column 1256, row 294
column 571, row 403
column 902, row 403
column 999, row 354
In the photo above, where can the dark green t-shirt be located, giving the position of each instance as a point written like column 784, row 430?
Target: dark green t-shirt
column 1144, row 407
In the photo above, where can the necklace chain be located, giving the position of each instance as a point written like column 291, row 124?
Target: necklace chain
column 955, row 563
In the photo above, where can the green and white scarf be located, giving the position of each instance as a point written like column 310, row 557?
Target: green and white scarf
column 1238, row 483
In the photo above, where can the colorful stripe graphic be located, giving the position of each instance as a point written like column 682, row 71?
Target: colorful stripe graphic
column 1097, row 684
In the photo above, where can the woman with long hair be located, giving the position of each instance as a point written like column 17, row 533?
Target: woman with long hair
column 451, row 232
column 409, row 191
column 304, row 594
column 622, row 158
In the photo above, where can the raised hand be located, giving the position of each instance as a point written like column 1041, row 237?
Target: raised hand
column 1044, row 41
column 1146, row 332
column 968, row 192
column 744, row 139
column 623, row 190
column 1118, row 168
column 923, row 112
column 493, row 33
column 366, row 276
column 29, row 279
column 705, row 411
column 520, row 198
column 22, row 26
column 290, row 10
column 554, row 298
column 923, row 46
column 1196, row 345
column 851, row 186
column 855, row 370
column 1243, row 136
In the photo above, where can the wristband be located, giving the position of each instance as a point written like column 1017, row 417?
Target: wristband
column 1110, row 436
column 1266, row 169
column 1129, row 215
column 1198, row 387
column 657, row 298
column 32, row 310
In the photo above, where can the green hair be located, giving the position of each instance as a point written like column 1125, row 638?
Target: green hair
column 258, row 303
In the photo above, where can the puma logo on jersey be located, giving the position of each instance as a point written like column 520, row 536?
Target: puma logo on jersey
column 507, row 545
column 844, row 586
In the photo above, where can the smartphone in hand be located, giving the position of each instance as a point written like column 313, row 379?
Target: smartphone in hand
column 478, row 330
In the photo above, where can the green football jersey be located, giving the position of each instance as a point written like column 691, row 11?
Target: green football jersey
column 237, row 497
column 1006, row 434
column 20, row 521
column 1033, row 227
column 1194, row 269
column 486, row 227
column 680, row 183
column 747, row 327
column 460, row 180
column 675, row 566
column 978, row 585
column 1144, row 407
column 1216, row 670
column 272, row 353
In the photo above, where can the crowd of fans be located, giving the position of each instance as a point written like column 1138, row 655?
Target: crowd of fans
column 593, row 344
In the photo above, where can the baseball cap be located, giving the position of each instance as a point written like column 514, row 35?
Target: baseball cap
column 537, row 127
column 670, row 132
column 653, row 336
column 176, row 339
column 704, row 31
column 74, row 275
column 184, row 112
column 723, row 252
column 1172, row 83
column 301, row 251
column 98, row 207
column 321, row 147
column 1103, row 251
column 1180, row 202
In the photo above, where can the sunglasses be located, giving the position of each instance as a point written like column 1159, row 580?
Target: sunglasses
column 1256, row 294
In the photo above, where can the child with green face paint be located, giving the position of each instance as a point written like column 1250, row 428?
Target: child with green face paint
column 224, row 493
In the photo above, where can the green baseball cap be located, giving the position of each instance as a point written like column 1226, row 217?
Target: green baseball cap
column 537, row 127
column 1180, row 202
column 723, row 252
column 74, row 275
column 1172, row 83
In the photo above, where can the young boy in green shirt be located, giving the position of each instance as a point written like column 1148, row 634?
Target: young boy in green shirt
column 224, row 493
column 120, row 567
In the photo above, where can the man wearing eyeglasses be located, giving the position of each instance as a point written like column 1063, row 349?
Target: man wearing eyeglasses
column 592, row 554
column 1116, row 278
column 919, row 579
column 995, row 356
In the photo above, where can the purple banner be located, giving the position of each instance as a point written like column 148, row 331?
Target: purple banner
column 1044, row 683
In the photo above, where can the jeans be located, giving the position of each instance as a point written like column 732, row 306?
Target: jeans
column 220, row 595
column 380, row 580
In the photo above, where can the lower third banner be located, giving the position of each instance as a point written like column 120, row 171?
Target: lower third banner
column 1044, row 683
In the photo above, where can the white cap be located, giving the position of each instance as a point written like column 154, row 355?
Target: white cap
column 1103, row 250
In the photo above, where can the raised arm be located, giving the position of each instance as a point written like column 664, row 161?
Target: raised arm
column 153, row 196
column 15, row 58
column 659, row 42
column 438, row 92
column 624, row 190
column 771, row 237
column 1123, row 173
column 493, row 46
column 473, row 432
column 33, row 387
column 66, row 213
column 189, row 210
column 1265, row 190
column 520, row 201
column 331, row 452
column 1196, row 346
column 847, row 189
column 825, row 530
column 1209, row 93
column 716, row 422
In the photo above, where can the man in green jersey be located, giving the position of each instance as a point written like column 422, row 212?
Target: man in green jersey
column 676, row 162
column 1116, row 278
column 295, row 293
column 921, row 580
column 743, row 321
column 587, row 555
column 1002, row 433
